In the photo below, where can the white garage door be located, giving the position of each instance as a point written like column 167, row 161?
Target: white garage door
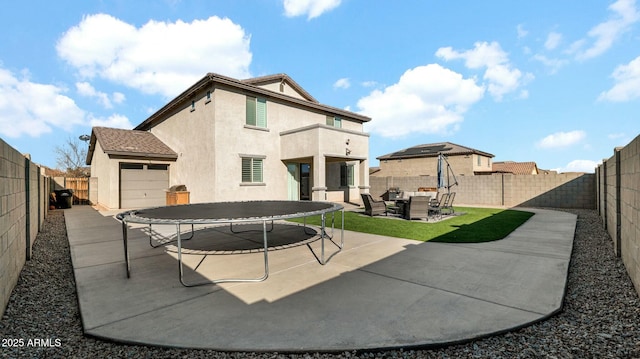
column 143, row 185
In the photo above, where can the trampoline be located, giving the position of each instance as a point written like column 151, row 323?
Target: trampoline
column 221, row 213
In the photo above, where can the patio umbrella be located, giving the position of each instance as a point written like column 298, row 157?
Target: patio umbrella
column 441, row 179
column 444, row 180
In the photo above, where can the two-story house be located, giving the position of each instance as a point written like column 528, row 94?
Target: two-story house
column 231, row 140
column 422, row 160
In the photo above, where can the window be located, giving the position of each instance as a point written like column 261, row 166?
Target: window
column 252, row 170
column 479, row 160
column 208, row 98
column 256, row 111
column 346, row 175
column 334, row 121
column 193, row 105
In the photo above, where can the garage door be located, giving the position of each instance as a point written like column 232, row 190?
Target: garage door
column 143, row 185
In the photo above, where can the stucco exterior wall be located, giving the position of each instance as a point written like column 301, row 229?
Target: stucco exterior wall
column 464, row 165
column 212, row 137
column 190, row 133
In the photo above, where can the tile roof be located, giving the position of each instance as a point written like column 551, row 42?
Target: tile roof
column 432, row 150
column 130, row 143
column 518, row 168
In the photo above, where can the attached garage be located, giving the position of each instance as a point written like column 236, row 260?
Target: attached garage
column 143, row 185
column 130, row 169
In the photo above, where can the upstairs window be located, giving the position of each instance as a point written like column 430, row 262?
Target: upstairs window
column 256, row 111
column 252, row 170
column 334, row 121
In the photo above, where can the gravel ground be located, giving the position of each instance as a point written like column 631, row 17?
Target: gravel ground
column 600, row 318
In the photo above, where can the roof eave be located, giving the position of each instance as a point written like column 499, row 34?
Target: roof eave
column 216, row 78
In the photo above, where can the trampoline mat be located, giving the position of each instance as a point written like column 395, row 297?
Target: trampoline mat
column 236, row 210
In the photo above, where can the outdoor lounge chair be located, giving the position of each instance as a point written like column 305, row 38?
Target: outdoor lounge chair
column 373, row 207
column 417, row 207
column 448, row 205
column 435, row 206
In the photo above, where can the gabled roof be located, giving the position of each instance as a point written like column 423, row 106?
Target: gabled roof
column 278, row 78
column 246, row 85
column 432, row 150
column 517, row 168
column 130, row 143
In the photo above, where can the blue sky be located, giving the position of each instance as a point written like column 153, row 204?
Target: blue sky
column 555, row 82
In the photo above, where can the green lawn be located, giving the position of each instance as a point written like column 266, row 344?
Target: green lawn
column 475, row 225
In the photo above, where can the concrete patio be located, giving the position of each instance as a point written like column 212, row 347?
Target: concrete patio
column 379, row 292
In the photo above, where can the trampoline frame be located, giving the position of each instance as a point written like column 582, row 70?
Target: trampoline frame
column 133, row 217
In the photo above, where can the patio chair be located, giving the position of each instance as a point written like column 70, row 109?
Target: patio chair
column 417, row 207
column 448, row 205
column 435, row 206
column 373, row 207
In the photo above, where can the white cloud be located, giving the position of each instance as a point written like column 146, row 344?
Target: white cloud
column 427, row 99
column 561, row 139
column 501, row 77
column 32, row 109
column 553, row 64
column 118, row 97
column 85, row 89
column 627, row 83
column 312, row 8
column 369, row 83
column 603, row 35
column 579, row 166
column 113, row 121
column 615, row 136
column 159, row 57
column 342, row 83
column 521, row 31
column 553, row 40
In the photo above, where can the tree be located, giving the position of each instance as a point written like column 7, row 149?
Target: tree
column 71, row 158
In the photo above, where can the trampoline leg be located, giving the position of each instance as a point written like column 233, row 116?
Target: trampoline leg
column 163, row 243
column 266, row 251
column 266, row 262
column 126, row 249
column 323, row 234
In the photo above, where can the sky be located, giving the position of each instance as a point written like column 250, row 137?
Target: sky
column 554, row 82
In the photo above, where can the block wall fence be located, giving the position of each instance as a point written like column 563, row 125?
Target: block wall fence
column 618, row 198
column 565, row 190
column 614, row 190
column 24, row 202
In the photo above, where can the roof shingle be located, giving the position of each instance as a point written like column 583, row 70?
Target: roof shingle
column 132, row 143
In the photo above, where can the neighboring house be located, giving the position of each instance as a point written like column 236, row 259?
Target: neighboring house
column 230, row 140
column 422, row 160
column 516, row 168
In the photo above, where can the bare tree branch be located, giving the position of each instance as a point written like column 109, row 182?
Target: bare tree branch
column 70, row 157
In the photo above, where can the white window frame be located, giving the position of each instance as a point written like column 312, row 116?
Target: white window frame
column 252, row 169
column 257, row 113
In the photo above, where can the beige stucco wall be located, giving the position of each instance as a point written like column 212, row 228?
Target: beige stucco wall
column 212, row 138
column 101, row 167
column 464, row 165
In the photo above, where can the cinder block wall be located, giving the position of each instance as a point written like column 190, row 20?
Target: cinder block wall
column 23, row 206
column 619, row 205
column 570, row 190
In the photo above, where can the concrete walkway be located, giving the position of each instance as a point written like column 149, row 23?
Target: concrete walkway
column 379, row 292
